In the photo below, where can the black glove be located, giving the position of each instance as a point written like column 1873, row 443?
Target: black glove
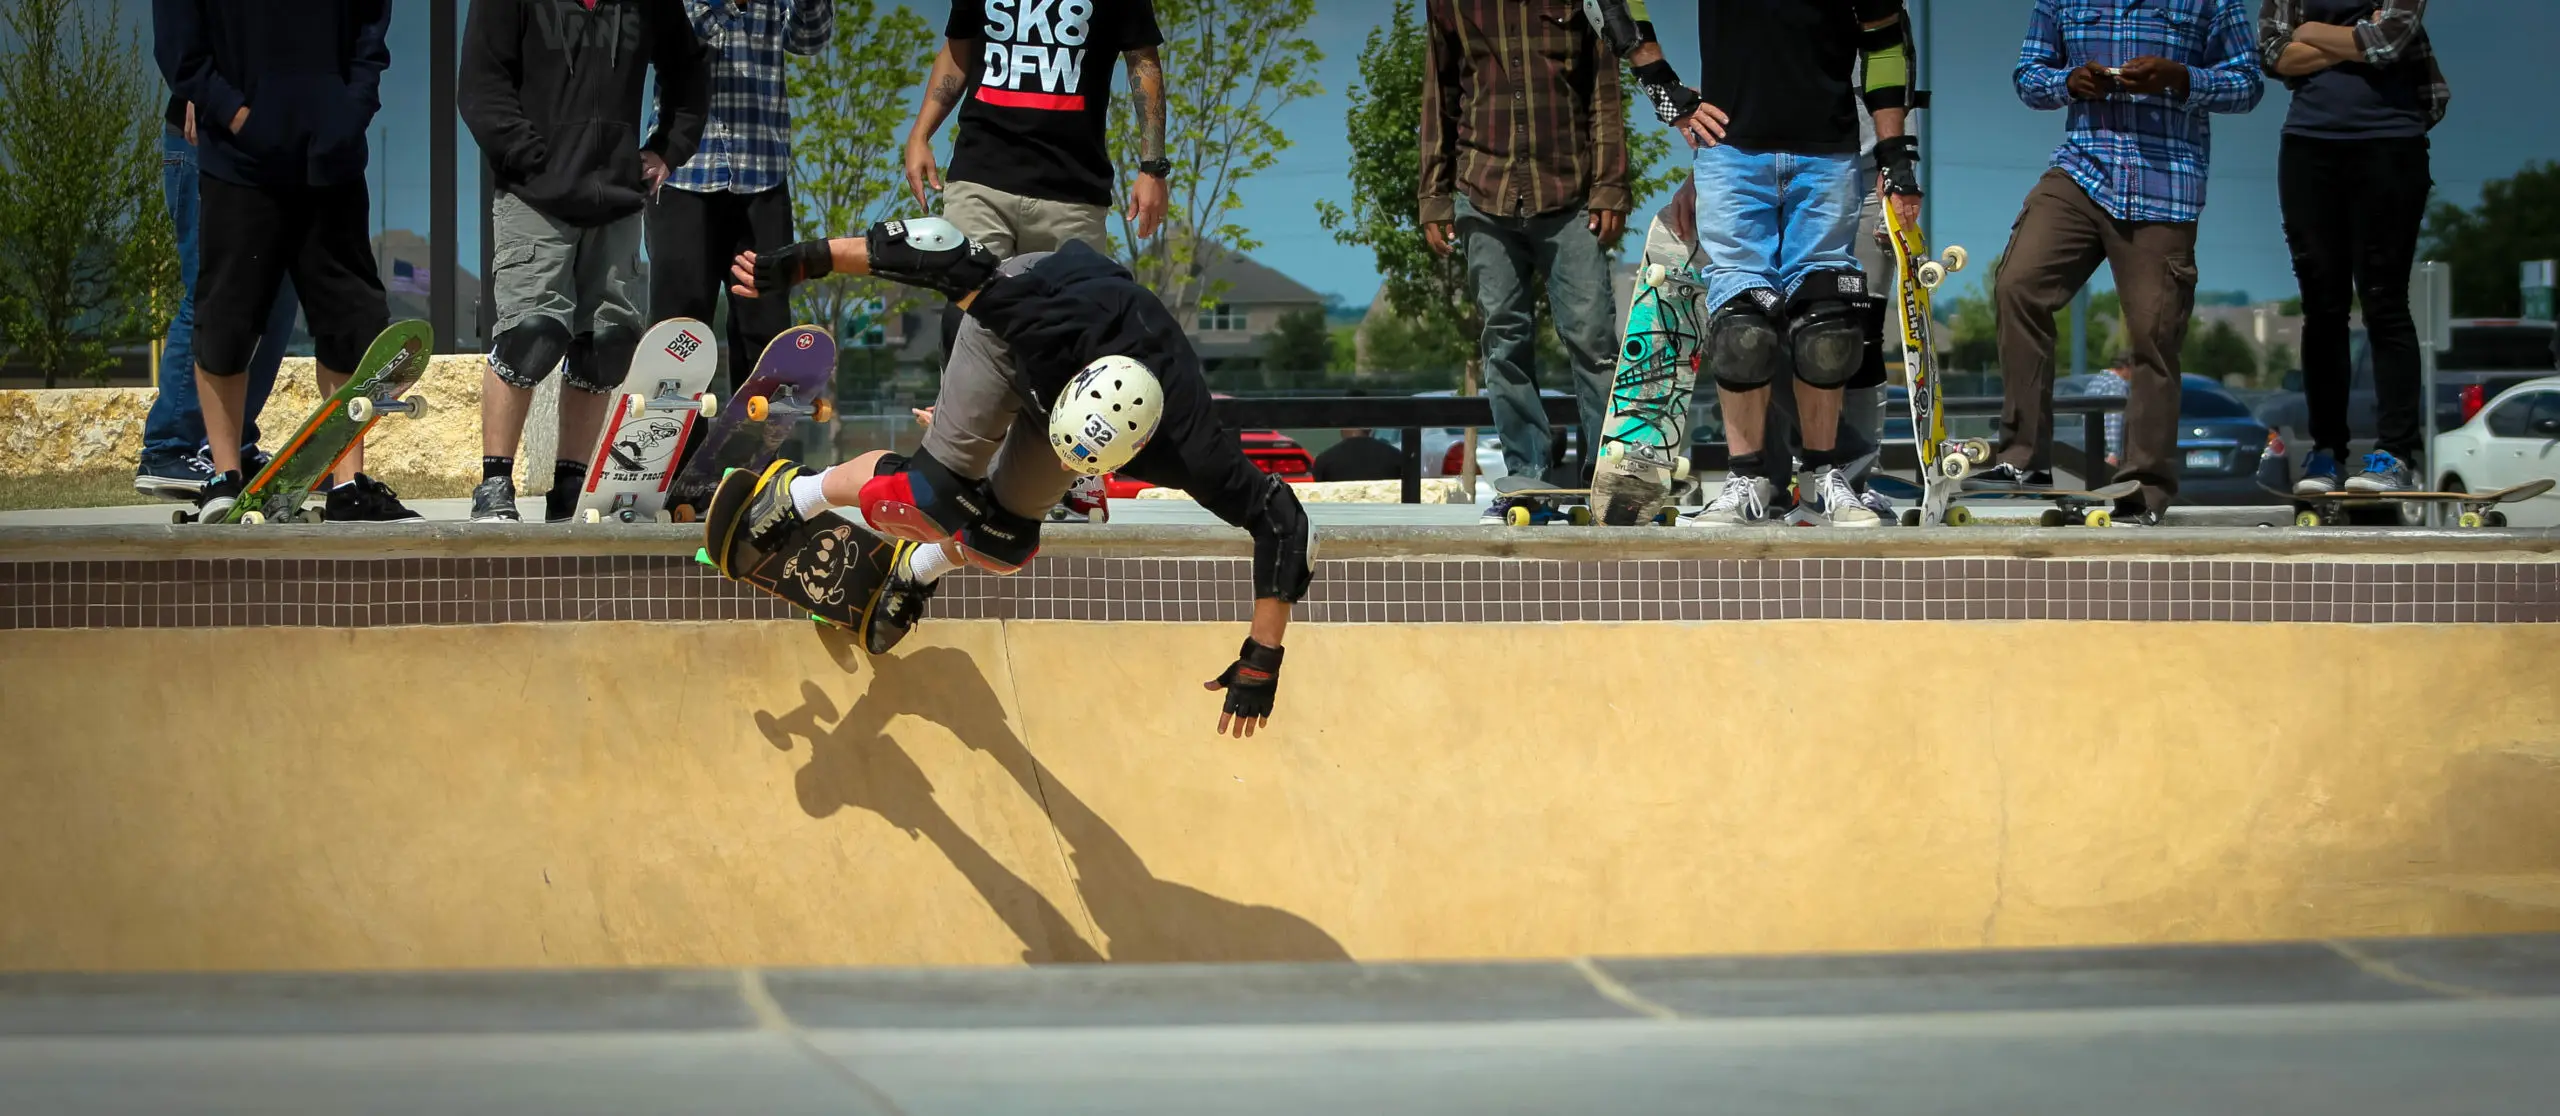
column 1252, row 681
column 1900, row 159
column 932, row 253
column 1672, row 101
column 780, row 269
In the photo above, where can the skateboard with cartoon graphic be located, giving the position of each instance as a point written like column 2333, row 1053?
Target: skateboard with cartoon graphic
column 827, row 565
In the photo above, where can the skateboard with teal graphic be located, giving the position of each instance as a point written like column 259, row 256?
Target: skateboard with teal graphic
column 392, row 365
column 1644, row 441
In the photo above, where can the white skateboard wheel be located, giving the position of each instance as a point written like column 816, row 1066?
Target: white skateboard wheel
column 1956, row 466
column 1098, row 516
column 252, row 517
column 1955, row 257
column 360, row 408
column 591, row 515
column 1656, row 275
column 709, row 403
column 635, row 404
column 1680, row 469
column 1931, row 273
column 1611, row 451
column 1978, row 450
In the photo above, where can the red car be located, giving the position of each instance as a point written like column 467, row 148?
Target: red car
column 1270, row 450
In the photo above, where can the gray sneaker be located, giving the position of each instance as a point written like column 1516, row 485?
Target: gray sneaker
column 1743, row 502
column 494, row 501
column 1839, row 502
column 2383, row 472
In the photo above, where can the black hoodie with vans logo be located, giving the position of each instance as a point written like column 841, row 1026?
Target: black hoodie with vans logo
column 552, row 92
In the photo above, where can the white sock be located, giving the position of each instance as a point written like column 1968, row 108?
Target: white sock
column 927, row 564
column 808, row 494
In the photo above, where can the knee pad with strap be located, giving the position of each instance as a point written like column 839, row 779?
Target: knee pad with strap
column 1001, row 543
column 526, row 352
column 599, row 363
column 1743, row 342
column 924, row 501
column 1827, row 328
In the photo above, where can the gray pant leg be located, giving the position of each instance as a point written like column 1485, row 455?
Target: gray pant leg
column 1585, row 303
column 1500, row 264
column 974, row 410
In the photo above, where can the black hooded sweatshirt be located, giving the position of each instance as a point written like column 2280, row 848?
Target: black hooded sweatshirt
column 552, row 92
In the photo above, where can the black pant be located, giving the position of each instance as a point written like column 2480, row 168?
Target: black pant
column 252, row 237
column 692, row 239
column 2351, row 215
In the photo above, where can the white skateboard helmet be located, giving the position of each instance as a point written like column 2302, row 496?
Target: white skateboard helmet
column 1106, row 415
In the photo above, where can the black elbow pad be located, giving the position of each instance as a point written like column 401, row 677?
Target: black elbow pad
column 1284, row 544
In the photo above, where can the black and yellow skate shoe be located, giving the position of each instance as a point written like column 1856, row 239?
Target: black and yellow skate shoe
column 899, row 605
column 750, row 516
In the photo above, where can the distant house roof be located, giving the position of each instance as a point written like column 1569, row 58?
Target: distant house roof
column 1246, row 282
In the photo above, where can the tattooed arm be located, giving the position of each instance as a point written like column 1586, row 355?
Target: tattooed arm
column 943, row 89
column 1149, row 194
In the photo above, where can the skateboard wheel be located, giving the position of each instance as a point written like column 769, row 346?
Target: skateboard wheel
column 1579, row 515
column 591, row 515
column 1680, row 470
column 1955, row 257
column 1931, row 273
column 1910, row 517
column 635, row 404
column 1977, row 449
column 181, row 517
column 2493, row 518
column 417, row 405
column 758, row 407
column 1516, row 516
column 2098, row 517
column 2052, row 517
column 1098, row 516
column 709, row 403
column 1668, row 517
column 360, row 409
column 1959, row 516
column 824, row 412
column 2307, row 519
column 684, row 513
column 252, row 517
column 1611, row 451
column 2470, row 519
column 1956, row 466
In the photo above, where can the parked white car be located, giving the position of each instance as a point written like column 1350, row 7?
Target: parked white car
column 2513, row 440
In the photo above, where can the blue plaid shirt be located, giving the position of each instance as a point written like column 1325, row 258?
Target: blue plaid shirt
column 2141, row 158
column 746, row 146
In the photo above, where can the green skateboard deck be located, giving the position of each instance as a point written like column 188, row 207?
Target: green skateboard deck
column 395, row 362
column 1644, row 441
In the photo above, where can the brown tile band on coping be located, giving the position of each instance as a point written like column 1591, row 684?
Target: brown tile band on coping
column 366, row 593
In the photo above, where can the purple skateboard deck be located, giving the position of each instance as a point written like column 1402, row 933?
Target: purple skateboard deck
column 790, row 383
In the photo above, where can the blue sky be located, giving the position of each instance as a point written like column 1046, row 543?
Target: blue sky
column 1986, row 148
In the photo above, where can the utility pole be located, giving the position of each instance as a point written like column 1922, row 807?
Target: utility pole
column 444, row 63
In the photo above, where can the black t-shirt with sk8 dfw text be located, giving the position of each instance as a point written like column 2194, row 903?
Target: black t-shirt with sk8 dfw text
column 1039, row 102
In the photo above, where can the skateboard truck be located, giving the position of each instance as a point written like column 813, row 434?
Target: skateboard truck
column 624, row 510
column 670, row 397
column 784, row 402
column 365, row 408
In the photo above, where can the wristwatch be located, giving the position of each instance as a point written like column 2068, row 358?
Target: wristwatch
column 1161, row 168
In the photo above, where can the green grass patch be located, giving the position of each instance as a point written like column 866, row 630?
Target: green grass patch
column 113, row 490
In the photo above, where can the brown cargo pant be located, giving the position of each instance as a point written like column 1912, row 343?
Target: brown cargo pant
column 2060, row 237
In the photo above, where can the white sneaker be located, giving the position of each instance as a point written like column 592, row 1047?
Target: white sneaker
column 1743, row 502
column 1840, row 502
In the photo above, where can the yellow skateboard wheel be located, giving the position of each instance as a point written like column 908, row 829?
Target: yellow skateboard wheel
column 1959, row 516
column 2470, row 519
column 1579, row 515
column 2099, row 517
column 2307, row 519
column 1516, row 516
column 825, row 412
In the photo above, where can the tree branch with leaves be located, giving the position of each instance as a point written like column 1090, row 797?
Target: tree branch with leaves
column 848, row 107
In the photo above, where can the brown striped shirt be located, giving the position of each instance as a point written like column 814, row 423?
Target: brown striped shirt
column 1521, row 110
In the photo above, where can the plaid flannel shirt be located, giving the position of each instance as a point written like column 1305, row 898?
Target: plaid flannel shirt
column 2396, row 33
column 746, row 146
column 2141, row 158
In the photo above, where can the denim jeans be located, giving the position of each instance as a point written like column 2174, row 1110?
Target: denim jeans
column 1504, row 256
column 175, row 427
column 1772, row 218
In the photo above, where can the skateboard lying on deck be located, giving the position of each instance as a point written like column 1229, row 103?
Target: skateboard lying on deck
column 392, row 365
column 1942, row 462
column 748, row 432
column 830, row 567
column 1535, row 503
column 634, row 459
column 2473, row 509
column 1644, row 441
column 2089, row 507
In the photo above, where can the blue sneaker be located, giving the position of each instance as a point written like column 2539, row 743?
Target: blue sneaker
column 172, row 476
column 2320, row 474
column 2383, row 472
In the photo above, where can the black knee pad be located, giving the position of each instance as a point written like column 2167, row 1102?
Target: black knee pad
column 1284, row 544
column 1002, row 542
column 599, row 362
column 1743, row 342
column 525, row 354
column 1871, row 371
column 1827, row 328
column 953, row 502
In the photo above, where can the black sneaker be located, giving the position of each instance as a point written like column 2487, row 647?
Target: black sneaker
column 901, row 604
column 366, row 500
column 2001, row 474
column 217, row 496
column 171, row 476
column 2134, row 511
column 772, row 515
column 494, row 501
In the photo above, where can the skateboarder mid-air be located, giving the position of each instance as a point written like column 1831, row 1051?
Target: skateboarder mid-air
column 1064, row 367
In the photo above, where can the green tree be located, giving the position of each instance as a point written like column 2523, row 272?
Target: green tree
column 2518, row 219
column 848, row 105
column 2217, row 352
column 1299, row 343
column 2280, row 359
column 87, row 258
column 1969, row 329
column 1230, row 66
